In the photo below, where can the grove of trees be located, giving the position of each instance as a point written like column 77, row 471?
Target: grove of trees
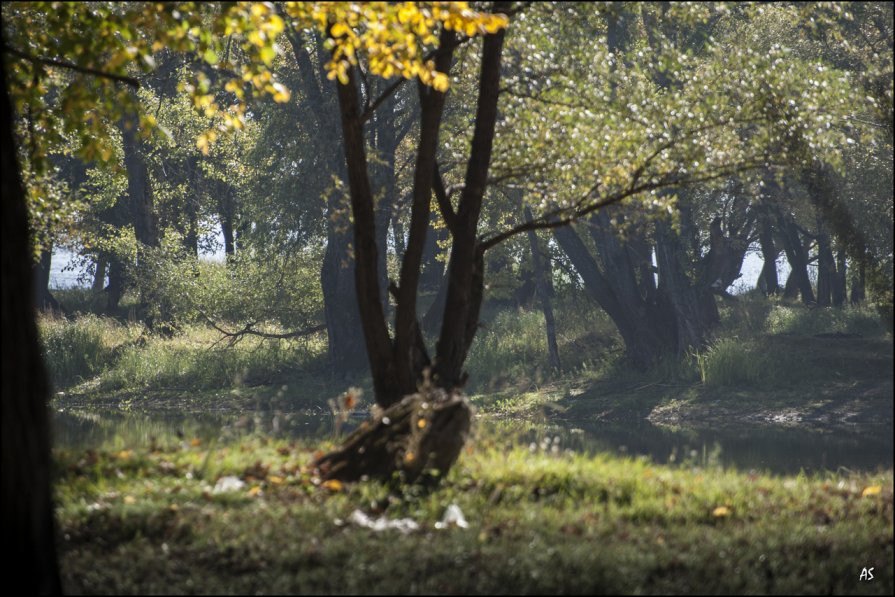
column 368, row 168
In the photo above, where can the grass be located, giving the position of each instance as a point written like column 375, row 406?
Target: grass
column 101, row 356
column 81, row 348
column 829, row 366
column 149, row 521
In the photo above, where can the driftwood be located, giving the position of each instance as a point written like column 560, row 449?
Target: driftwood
column 416, row 440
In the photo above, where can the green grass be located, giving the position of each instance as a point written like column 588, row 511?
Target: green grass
column 510, row 348
column 79, row 349
column 100, row 355
column 148, row 521
column 194, row 361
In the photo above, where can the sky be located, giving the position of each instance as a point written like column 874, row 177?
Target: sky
column 62, row 275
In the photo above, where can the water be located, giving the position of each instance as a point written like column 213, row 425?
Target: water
column 775, row 450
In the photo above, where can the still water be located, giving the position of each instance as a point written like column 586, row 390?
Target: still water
column 775, row 450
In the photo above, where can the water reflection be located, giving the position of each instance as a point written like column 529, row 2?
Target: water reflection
column 775, row 450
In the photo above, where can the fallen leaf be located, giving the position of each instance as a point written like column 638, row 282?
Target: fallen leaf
column 255, row 491
column 275, row 479
column 195, row 442
column 333, row 485
column 871, row 490
column 721, row 511
column 129, row 499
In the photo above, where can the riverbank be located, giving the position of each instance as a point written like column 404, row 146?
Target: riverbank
column 771, row 364
column 251, row 517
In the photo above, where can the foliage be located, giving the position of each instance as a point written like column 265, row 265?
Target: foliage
column 396, row 37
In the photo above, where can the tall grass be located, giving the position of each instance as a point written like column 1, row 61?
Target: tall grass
column 797, row 319
column 79, row 349
column 755, row 363
column 511, row 347
column 191, row 364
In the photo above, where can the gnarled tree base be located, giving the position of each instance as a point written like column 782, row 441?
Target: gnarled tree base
column 416, row 440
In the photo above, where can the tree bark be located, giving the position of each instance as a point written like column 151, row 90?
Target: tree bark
column 99, row 276
column 138, row 188
column 768, row 276
column 399, row 438
column 337, row 273
column 798, row 259
column 695, row 311
column 28, row 521
column 826, row 269
column 858, row 294
column 44, row 299
column 542, row 292
column 643, row 338
column 838, row 290
column 466, row 269
column 386, row 145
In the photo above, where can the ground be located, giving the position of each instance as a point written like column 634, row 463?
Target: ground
column 151, row 521
column 148, row 518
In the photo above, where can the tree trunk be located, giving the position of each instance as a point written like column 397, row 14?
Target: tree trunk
column 115, row 289
column 191, row 208
column 644, row 342
column 798, row 260
column 138, row 188
column 826, row 267
column 346, row 350
column 226, row 208
column 99, row 276
column 28, row 523
column 543, row 294
column 386, row 144
column 838, row 282
column 418, row 438
column 403, row 440
column 858, row 294
column 44, row 299
column 466, row 269
column 768, row 277
column 695, row 311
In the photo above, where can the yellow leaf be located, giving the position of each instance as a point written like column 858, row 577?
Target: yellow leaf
column 275, row 479
column 333, row 485
column 280, row 93
column 721, row 511
column 129, row 499
column 276, row 24
column 195, row 442
column 124, row 454
column 255, row 491
column 338, row 30
column 440, row 82
column 871, row 490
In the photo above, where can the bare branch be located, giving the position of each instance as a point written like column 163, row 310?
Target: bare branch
column 72, row 66
column 249, row 330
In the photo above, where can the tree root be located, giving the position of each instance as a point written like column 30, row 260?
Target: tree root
column 416, row 440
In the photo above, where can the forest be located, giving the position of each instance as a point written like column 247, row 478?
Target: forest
column 448, row 297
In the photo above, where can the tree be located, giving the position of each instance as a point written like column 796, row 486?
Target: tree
column 28, row 527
